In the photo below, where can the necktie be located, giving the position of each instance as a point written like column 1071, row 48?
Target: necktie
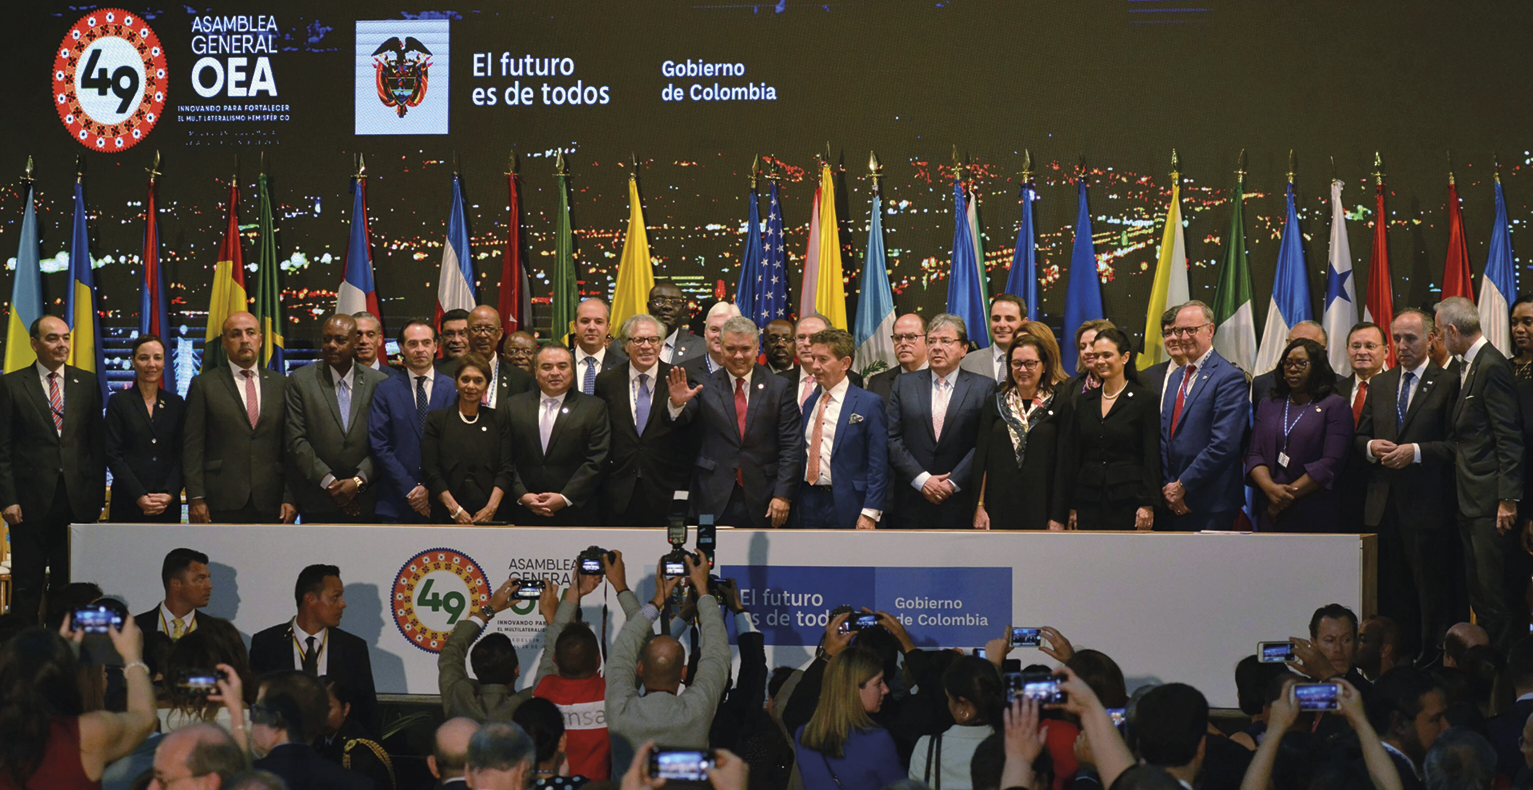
column 177, row 629
column 546, row 425
column 310, row 659
column 1403, row 402
column 939, row 408
column 815, row 441
column 1358, row 399
column 489, row 387
column 252, row 408
column 56, row 401
column 740, row 418
column 1181, row 397
column 343, row 397
column 805, row 392
column 641, row 404
column 1000, row 369
column 588, row 386
column 420, row 401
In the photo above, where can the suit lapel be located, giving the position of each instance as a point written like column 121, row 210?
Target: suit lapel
column 724, row 391
column 961, row 387
column 1468, row 385
column 756, row 395
column 331, row 392
column 848, row 408
column 562, row 418
column 1199, row 383
column 39, row 392
column 361, row 392
column 1424, row 390
column 272, row 403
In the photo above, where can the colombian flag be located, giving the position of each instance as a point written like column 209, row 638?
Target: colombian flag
column 229, row 296
column 830, row 283
column 635, row 275
column 80, row 309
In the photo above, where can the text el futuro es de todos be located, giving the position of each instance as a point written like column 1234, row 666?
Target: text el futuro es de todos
column 553, row 82
column 773, row 607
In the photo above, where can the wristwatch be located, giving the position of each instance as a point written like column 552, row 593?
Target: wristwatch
column 361, row 484
column 487, row 612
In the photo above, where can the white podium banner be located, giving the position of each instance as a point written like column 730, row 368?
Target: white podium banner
column 1166, row 606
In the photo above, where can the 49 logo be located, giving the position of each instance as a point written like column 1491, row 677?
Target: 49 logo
column 433, row 592
column 109, row 80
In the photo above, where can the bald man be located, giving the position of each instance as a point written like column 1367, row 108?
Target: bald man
column 595, row 351
column 327, row 407
column 679, row 720
column 484, row 334
column 449, row 753
column 201, row 756
column 1261, row 386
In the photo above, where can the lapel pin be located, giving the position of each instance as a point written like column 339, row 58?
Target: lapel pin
column 760, row 386
column 484, row 427
column 1131, row 394
column 565, row 410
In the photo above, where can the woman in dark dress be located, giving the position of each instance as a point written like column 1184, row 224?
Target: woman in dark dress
column 1110, row 462
column 466, row 451
column 1017, row 451
column 143, row 441
column 1300, row 440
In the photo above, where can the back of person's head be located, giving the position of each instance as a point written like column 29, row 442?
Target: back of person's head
column 199, row 649
column 1519, row 664
column 68, row 598
column 1169, row 724
column 38, row 683
column 1398, row 692
column 1460, row 638
column 449, row 746
column 310, row 701
column 543, row 723
column 881, row 642
column 576, row 652
column 1102, row 674
column 282, row 712
column 211, row 751
column 312, row 580
column 1461, row 759
column 663, row 664
column 990, row 761
column 840, row 709
column 1252, row 678
column 255, row 780
column 1331, row 611
column 494, row 660
column 500, row 746
column 779, row 678
column 1146, row 777
column 1481, row 663
column 974, row 680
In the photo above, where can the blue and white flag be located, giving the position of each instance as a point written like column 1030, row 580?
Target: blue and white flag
column 455, row 283
column 751, row 273
column 874, row 327
column 1498, row 286
column 965, row 292
column 1340, row 291
column 1290, row 294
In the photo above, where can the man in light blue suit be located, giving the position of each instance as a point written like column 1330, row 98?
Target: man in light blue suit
column 395, row 423
column 846, row 441
column 1203, row 421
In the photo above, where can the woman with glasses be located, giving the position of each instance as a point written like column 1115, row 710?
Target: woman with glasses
column 1299, row 443
column 1018, row 446
column 1110, row 461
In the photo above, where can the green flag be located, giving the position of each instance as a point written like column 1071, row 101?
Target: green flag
column 564, row 296
column 1235, row 337
column 268, row 292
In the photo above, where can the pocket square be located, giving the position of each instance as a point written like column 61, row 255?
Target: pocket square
column 854, row 419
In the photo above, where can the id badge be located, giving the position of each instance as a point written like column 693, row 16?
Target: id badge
column 1283, row 459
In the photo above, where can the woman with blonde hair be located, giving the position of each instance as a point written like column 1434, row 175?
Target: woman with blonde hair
column 841, row 748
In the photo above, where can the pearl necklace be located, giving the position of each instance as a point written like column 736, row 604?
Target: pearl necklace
column 466, row 420
column 1115, row 395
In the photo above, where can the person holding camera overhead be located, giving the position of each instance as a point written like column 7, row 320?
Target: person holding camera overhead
column 1020, row 428
column 1301, row 438
column 143, row 441
column 466, row 451
column 1110, row 460
column 841, row 748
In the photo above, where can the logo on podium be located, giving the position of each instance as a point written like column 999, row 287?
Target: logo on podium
column 434, row 591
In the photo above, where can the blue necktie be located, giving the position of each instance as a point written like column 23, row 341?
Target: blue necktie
column 420, row 401
column 1403, row 401
column 343, row 396
column 641, row 404
column 589, row 385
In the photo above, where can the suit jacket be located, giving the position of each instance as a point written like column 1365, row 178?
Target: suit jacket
column 859, row 454
column 981, row 361
column 347, row 660
column 1113, row 459
column 302, row 768
column 1154, row 378
column 769, row 459
column 1206, row 451
column 319, row 446
column 225, row 461
column 882, row 382
column 656, row 464
column 1420, row 495
column 688, row 346
column 1352, row 478
column 577, row 447
column 1504, row 732
column 389, row 370
column 509, row 379
column 697, row 368
column 149, row 622
column 1261, row 386
column 914, row 447
column 614, row 357
column 144, row 452
column 1487, row 436
column 35, row 457
column 394, row 434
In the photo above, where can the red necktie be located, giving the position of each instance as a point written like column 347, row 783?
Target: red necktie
column 740, row 417
column 251, row 409
column 56, row 402
column 1181, row 397
column 1358, row 398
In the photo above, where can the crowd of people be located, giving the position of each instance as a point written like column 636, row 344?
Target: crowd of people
column 176, row 699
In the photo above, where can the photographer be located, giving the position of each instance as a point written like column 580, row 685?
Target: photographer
column 489, row 698
column 1285, row 711
column 570, row 673
column 678, row 720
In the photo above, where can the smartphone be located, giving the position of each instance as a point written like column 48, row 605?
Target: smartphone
column 201, row 681
column 707, row 536
column 859, row 622
column 1042, row 687
column 1026, row 637
column 95, row 619
column 1118, row 716
column 980, row 652
column 531, row 589
column 1317, row 696
column 680, row 765
column 1275, row 652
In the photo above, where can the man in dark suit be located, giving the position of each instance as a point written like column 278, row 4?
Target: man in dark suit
column 846, row 442
column 1406, row 709
column 909, row 352
column 668, row 304
column 933, row 426
column 702, row 368
column 801, row 376
column 396, row 423
column 1505, row 731
column 1366, row 349
column 370, row 351
column 188, row 588
column 52, row 462
column 1487, row 438
column 452, row 336
column 484, row 334
column 651, row 455
column 595, row 350
column 327, row 408
column 559, row 438
column 288, row 716
column 1403, row 435
column 1203, row 423
column 235, row 438
column 1261, row 385
column 749, row 460
column 777, row 345
column 1154, row 376
column 314, row 643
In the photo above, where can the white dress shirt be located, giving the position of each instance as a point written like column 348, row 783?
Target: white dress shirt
column 668, row 350
column 429, row 375
column 301, row 640
column 952, row 382
column 239, row 382
column 42, row 374
column 580, row 359
column 1415, row 385
column 1468, row 359
column 833, row 399
column 1201, row 363
column 544, row 414
column 167, row 620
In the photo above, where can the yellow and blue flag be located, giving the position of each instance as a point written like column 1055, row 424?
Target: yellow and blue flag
column 80, row 305
column 26, row 293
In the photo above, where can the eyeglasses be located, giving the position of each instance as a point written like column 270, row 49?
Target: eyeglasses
column 483, row 330
column 667, row 300
column 905, row 338
column 1296, row 364
column 644, row 341
column 1027, row 364
column 1185, row 331
column 942, row 341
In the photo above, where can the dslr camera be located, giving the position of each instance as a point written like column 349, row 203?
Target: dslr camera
column 590, row 560
column 675, row 562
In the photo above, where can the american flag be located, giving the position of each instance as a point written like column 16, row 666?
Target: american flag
column 771, row 292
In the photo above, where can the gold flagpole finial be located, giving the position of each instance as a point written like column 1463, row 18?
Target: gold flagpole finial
column 511, row 164
column 559, row 170
column 1240, row 168
column 1290, row 167
column 755, row 169
column 1080, row 168
column 633, row 170
column 1495, row 164
column 361, row 166
column 1027, row 165
column 1451, row 181
column 875, row 171
column 262, row 169
column 28, row 176
column 153, row 170
column 1378, row 169
column 1176, row 163
column 236, row 177
column 958, row 165
column 79, row 166
column 1333, row 169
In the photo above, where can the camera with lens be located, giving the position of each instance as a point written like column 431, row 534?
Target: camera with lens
column 675, row 563
column 590, row 560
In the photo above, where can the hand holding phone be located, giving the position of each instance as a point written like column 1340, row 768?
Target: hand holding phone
column 1026, row 637
column 680, row 765
column 1275, row 652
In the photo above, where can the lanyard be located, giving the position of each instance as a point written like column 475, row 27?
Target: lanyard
column 1287, row 429
column 165, row 624
column 318, row 651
